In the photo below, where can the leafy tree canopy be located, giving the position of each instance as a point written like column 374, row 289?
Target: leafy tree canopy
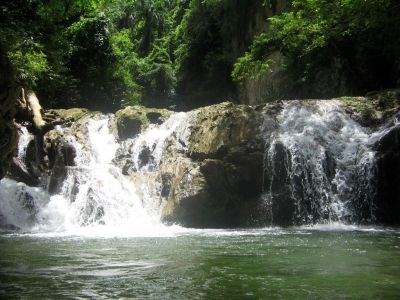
column 108, row 54
column 363, row 35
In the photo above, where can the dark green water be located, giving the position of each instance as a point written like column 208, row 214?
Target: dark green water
column 205, row 264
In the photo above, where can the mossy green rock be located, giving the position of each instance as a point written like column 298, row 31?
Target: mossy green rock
column 131, row 120
column 375, row 108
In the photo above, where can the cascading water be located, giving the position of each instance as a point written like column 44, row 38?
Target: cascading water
column 319, row 166
column 100, row 194
column 23, row 140
column 148, row 147
column 21, row 204
column 95, row 196
column 147, row 152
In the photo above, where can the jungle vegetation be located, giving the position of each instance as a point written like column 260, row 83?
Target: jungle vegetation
column 107, row 54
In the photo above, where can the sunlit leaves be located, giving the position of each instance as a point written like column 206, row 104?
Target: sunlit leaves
column 316, row 32
column 29, row 65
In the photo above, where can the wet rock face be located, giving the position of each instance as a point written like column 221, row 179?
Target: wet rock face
column 128, row 127
column 216, row 181
column 64, row 156
column 276, row 178
column 388, row 177
column 69, row 153
column 145, row 157
column 8, row 97
column 19, row 172
column 60, row 151
column 48, row 154
column 211, row 175
column 214, row 168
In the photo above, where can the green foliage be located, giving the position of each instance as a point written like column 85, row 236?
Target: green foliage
column 33, row 35
column 29, row 64
column 141, row 44
column 255, row 62
column 24, row 52
column 126, row 66
column 109, row 54
column 316, row 32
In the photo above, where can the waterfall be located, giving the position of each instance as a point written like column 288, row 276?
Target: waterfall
column 318, row 166
column 24, row 137
column 20, row 204
column 147, row 149
column 100, row 194
column 95, row 196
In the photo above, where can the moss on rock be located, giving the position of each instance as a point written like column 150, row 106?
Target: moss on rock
column 131, row 120
column 216, row 128
column 375, row 108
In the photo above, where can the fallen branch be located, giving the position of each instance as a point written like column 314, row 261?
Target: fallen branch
column 36, row 109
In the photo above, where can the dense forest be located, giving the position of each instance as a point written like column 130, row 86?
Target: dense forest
column 184, row 53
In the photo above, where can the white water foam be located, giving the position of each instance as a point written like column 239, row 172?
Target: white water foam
column 155, row 138
column 20, row 204
column 24, row 137
column 96, row 199
column 328, row 159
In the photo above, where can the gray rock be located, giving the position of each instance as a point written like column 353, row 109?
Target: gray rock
column 131, row 120
column 217, row 180
column 19, row 172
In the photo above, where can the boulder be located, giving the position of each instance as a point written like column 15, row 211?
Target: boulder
column 19, row 172
column 61, row 154
column 375, row 109
column 131, row 120
column 216, row 180
column 217, row 128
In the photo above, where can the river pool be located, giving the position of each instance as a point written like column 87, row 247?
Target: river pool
column 323, row 262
